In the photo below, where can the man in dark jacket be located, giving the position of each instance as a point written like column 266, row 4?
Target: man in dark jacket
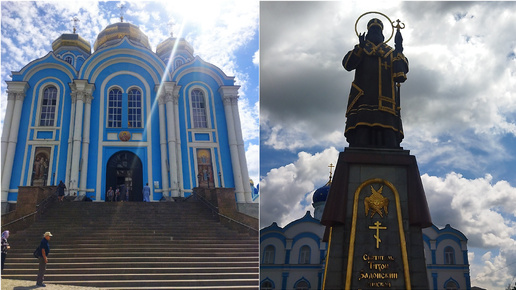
column 44, row 250
column 60, row 190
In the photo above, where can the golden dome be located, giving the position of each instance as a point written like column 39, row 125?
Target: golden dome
column 71, row 40
column 164, row 48
column 120, row 30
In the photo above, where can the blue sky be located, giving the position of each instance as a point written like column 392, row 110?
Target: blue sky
column 458, row 111
column 223, row 33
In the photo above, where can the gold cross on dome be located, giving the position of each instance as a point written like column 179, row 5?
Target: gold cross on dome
column 75, row 21
column 121, row 7
column 331, row 169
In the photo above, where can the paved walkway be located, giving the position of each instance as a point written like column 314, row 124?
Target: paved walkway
column 8, row 284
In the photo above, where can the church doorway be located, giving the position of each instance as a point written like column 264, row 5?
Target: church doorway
column 124, row 169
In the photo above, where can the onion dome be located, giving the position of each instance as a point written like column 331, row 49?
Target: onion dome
column 164, row 49
column 73, row 40
column 321, row 193
column 115, row 32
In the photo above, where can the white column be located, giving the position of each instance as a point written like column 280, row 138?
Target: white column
column 18, row 89
column 86, row 138
column 178, row 143
column 70, row 142
column 171, row 142
column 235, row 162
column 11, row 99
column 163, row 145
column 241, row 152
column 77, row 135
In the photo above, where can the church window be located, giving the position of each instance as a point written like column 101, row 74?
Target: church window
column 48, row 107
column 302, row 285
column 449, row 256
column 268, row 255
column 266, row 285
column 451, row 285
column 115, row 109
column 199, row 109
column 134, row 116
column 69, row 60
column 304, row 255
column 178, row 63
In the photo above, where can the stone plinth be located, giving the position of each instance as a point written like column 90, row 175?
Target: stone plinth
column 374, row 213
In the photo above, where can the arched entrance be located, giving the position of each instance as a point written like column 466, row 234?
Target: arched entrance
column 125, row 168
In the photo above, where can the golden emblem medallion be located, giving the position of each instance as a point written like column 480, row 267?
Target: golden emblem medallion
column 124, row 136
column 376, row 201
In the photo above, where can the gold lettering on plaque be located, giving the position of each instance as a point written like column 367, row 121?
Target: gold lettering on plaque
column 376, row 201
column 377, row 236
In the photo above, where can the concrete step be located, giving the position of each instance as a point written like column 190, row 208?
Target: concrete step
column 136, row 246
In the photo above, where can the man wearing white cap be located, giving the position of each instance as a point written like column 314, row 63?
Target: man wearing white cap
column 44, row 250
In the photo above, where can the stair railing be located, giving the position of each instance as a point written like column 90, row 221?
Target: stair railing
column 215, row 209
column 40, row 208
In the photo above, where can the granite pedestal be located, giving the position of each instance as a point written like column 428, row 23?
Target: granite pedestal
column 374, row 214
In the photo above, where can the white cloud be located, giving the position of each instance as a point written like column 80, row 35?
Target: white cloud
column 256, row 58
column 252, row 156
column 283, row 189
column 249, row 116
column 484, row 212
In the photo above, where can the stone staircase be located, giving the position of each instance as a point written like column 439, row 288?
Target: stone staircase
column 136, row 245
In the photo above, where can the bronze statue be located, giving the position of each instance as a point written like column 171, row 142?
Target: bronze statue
column 373, row 112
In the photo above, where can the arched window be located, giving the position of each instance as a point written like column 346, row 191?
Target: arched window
column 178, row 62
column 302, row 285
column 69, row 59
column 266, row 285
column 304, row 255
column 268, row 255
column 199, row 109
column 134, row 106
column 449, row 256
column 48, row 107
column 115, row 109
column 451, row 285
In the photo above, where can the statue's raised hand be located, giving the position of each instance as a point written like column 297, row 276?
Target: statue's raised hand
column 362, row 40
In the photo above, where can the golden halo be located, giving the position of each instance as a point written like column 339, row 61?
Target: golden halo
column 374, row 12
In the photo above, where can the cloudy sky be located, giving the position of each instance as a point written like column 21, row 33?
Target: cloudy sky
column 223, row 33
column 458, row 111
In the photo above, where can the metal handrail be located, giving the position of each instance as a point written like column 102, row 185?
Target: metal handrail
column 20, row 219
column 215, row 209
column 39, row 207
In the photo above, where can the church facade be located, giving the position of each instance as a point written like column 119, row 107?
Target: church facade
column 122, row 115
column 446, row 254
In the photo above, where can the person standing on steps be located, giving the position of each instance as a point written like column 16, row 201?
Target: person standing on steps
column 60, row 190
column 110, row 194
column 5, row 247
column 123, row 189
column 146, row 193
column 44, row 250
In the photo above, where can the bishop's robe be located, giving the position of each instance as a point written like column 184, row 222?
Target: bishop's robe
column 373, row 103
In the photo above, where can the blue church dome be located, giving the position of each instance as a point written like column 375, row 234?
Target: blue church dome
column 322, row 193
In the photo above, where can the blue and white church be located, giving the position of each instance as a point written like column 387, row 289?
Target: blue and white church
column 122, row 114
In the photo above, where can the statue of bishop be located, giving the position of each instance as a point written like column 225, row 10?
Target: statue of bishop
column 373, row 112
